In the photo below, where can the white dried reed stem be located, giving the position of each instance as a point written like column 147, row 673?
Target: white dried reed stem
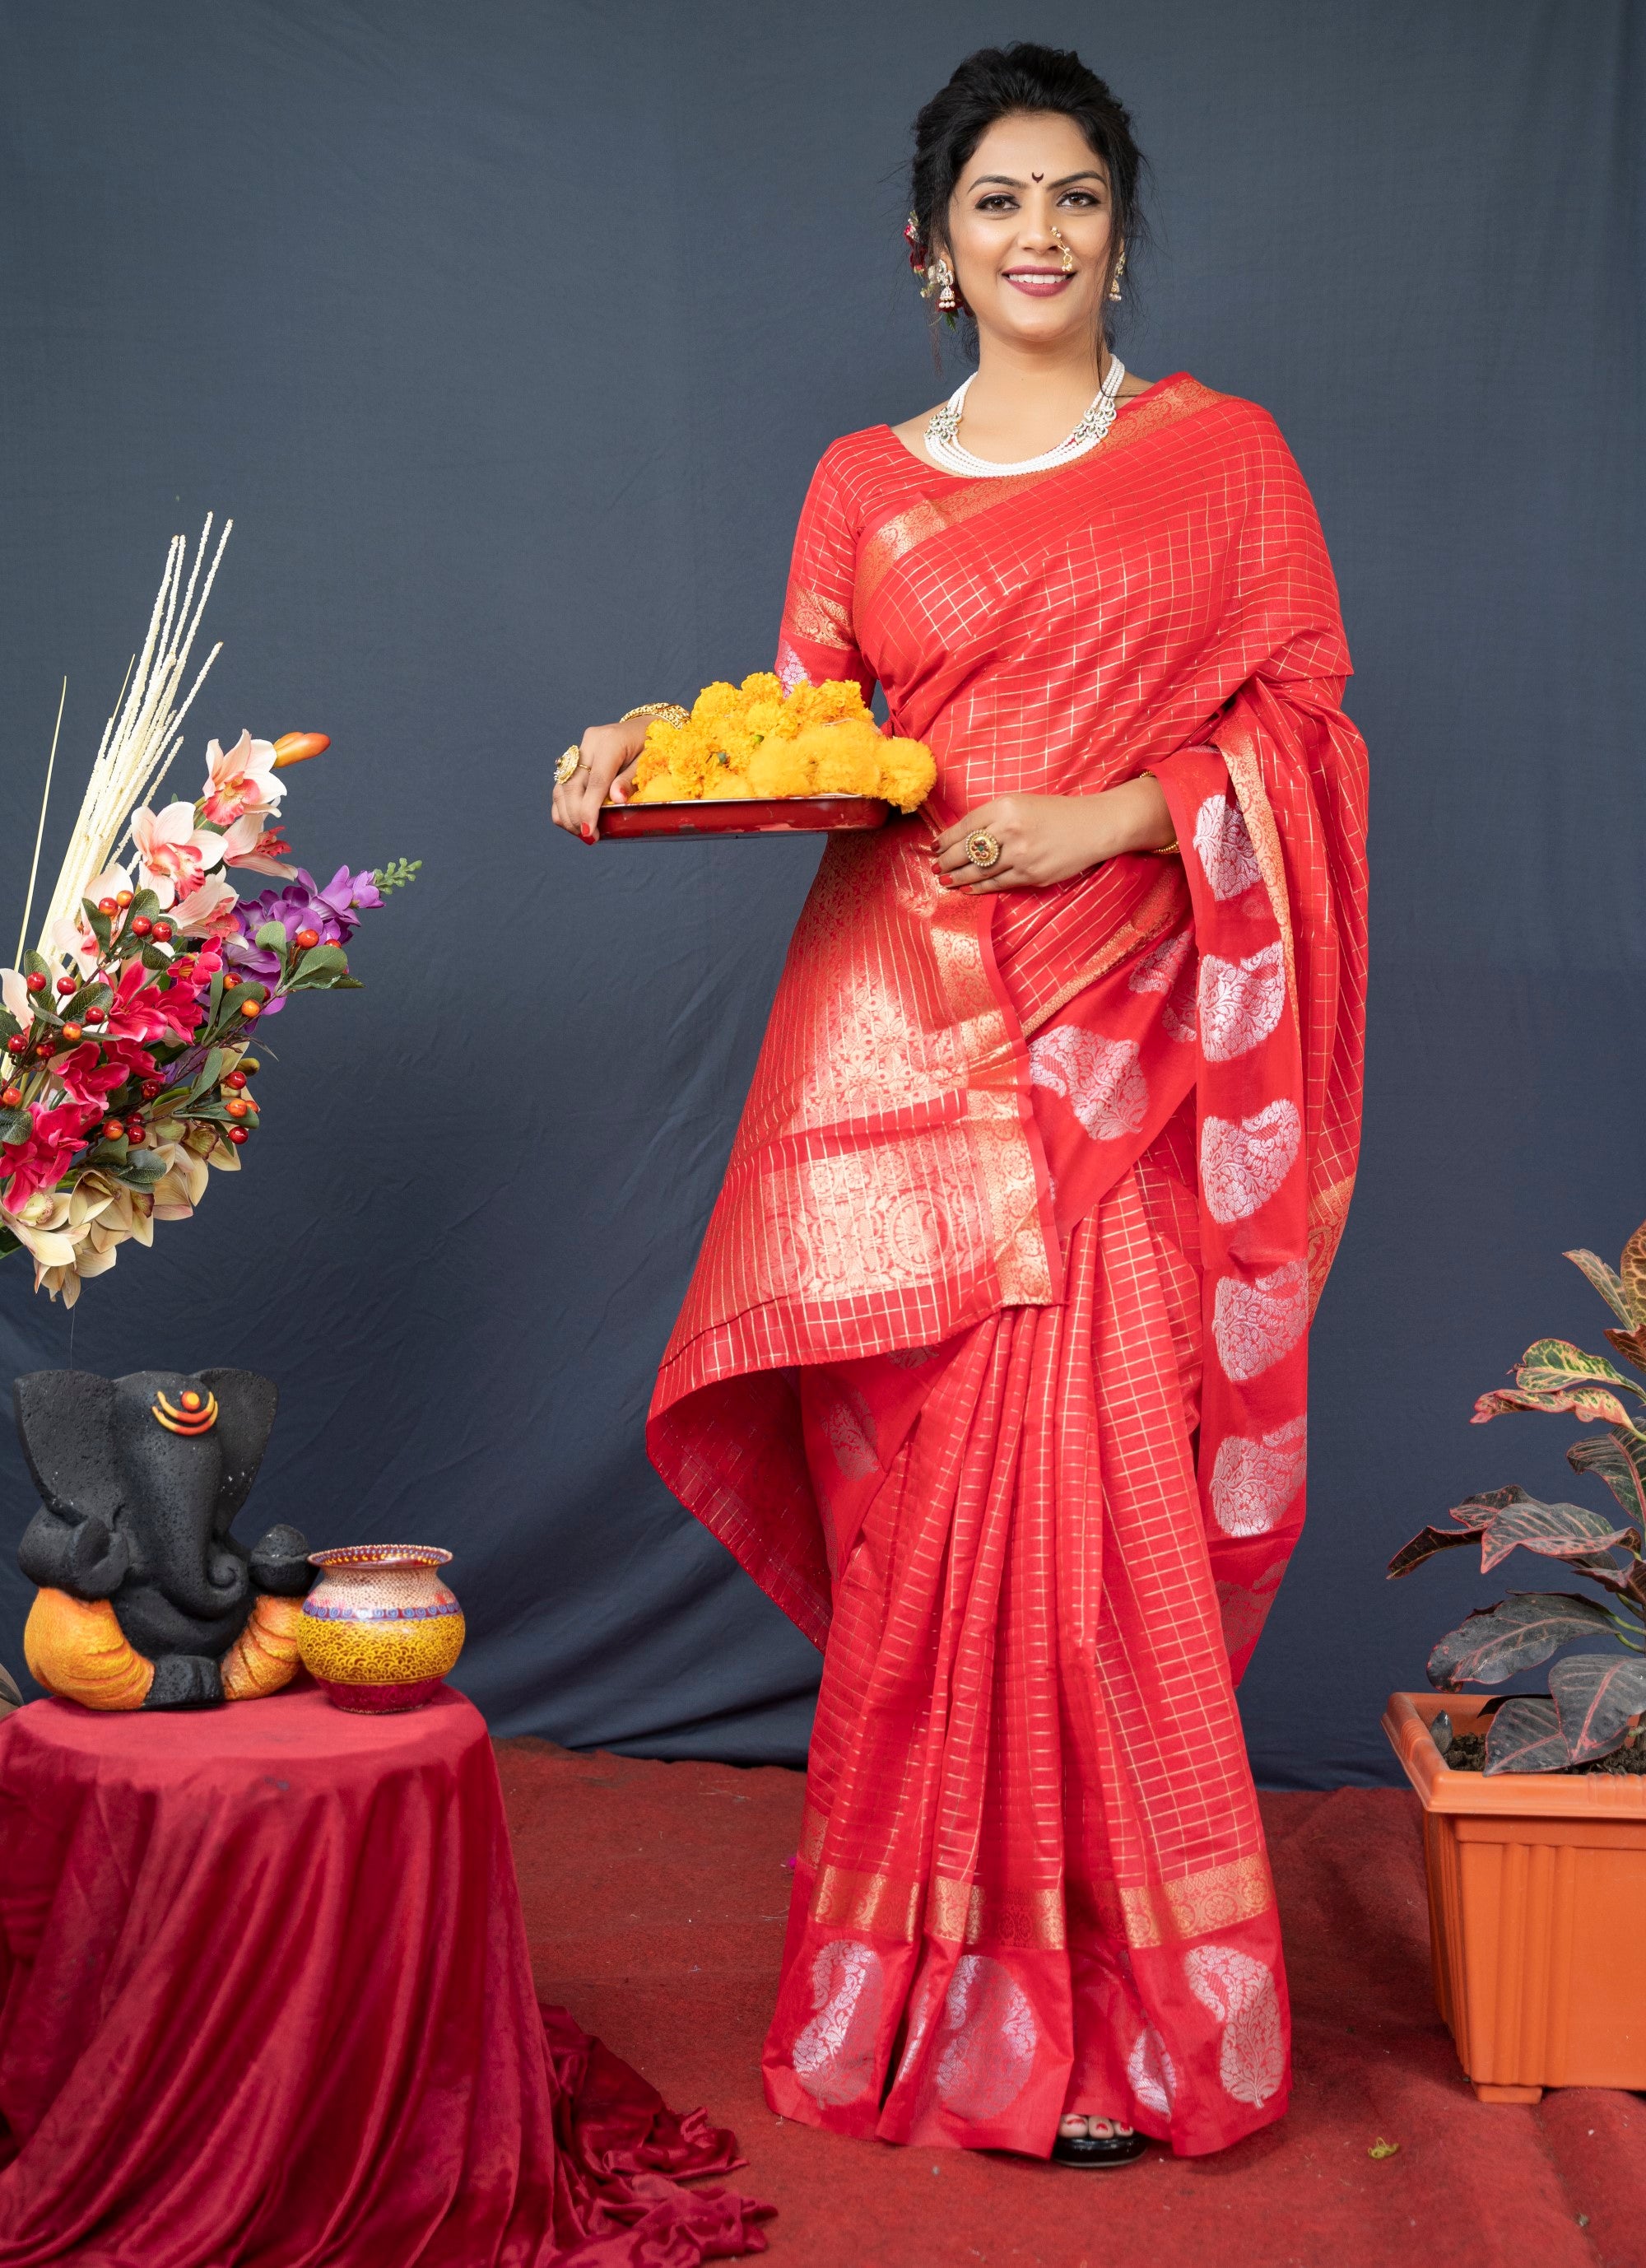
column 142, row 737
column 40, row 832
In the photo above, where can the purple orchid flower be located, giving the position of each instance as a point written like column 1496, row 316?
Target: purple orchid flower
column 334, row 911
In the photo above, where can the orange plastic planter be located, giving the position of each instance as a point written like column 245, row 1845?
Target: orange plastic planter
column 1537, row 1888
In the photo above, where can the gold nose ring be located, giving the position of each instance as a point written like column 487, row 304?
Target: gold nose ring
column 1068, row 257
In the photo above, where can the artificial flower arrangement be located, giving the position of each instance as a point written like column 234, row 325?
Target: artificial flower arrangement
column 753, row 741
column 125, row 1035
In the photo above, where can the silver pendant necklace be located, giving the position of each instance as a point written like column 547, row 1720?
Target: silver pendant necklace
column 944, row 449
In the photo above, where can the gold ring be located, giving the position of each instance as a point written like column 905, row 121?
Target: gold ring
column 982, row 850
column 569, row 765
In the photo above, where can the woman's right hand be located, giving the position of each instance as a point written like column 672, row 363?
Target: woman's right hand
column 609, row 753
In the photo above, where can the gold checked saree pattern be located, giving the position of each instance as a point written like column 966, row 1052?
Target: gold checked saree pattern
column 992, row 1370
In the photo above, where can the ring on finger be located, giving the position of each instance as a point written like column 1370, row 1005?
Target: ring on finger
column 982, row 850
column 569, row 765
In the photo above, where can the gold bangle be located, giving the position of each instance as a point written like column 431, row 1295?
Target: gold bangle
column 669, row 711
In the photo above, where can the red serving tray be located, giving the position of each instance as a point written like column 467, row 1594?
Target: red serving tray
column 790, row 814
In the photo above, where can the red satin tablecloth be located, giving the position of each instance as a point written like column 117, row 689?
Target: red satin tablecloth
column 265, row 2003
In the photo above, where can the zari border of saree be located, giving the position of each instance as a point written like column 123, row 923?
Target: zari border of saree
column 1176, row 398
column 1328, row 1208
column 999, row 1115
column 965, row 1913
column 1235, row 744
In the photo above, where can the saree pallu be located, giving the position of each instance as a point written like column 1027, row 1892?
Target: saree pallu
column 992, row 1370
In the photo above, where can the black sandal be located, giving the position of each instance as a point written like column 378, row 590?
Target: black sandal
column 1098, row 2150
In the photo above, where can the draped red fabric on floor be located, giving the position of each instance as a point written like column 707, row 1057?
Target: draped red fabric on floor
column 994, row 1368
column 264, row 2002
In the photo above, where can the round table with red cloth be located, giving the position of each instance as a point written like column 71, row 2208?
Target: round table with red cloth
column 265, row 2003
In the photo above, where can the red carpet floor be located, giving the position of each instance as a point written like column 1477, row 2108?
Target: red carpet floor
column 655, row 1897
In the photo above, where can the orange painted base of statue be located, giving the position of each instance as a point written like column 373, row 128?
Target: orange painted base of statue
column 77, row 1650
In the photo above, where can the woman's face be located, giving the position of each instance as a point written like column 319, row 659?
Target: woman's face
column 1031, row 173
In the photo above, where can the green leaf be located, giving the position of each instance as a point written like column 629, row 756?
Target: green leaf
column 101, row 925
column 1605, row 1280
column 139, row 1169
column 346, row 984
column 1525, row 1736
column 34, row 966
column 9, row 1025
column 15, row 1124
column 1631, row 1345
column 1425, row 1546
column 320, row 966
column 8, row 1243
column 1558, row 1531
column 210, row 1072
column 1588, row 1401
column 145, row 906
column 1521, row 1630
column 271, row 937
column 1620, row 1458
column 1552, row 1366
column 1595, row 1694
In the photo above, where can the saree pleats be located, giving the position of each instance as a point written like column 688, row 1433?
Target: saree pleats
column 1033, row 1873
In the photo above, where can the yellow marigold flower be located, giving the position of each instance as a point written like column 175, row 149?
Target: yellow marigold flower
column 764, row 716
column 660, row 789
column 763, row 685
column 653, row 765
column 845, row 759
column 688, row 762
column 839, row 698
column 907, row 773
column 780, row 767
column 715, row 702
column 735, row 740
column 723, row 782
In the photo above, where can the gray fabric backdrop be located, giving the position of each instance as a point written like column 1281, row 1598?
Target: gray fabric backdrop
column 509, row 334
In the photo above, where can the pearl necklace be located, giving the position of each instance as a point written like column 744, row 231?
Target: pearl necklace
column 945, row 449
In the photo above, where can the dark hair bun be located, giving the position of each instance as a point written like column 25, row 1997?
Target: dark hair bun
column 990, row 85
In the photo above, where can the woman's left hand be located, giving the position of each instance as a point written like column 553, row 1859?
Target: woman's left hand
column 1051, row 838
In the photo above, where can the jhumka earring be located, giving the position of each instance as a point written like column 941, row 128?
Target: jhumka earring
column 1069, row 258
column 1120, row 271
column 948, row 297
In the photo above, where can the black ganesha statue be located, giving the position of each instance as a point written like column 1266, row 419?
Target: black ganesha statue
column 145, row 1600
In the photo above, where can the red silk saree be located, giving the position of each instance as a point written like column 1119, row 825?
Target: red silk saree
column 992, row 1369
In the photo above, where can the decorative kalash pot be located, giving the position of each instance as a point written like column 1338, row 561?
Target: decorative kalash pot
column 379, row 1629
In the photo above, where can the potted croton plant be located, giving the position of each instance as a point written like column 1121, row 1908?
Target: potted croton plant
column 1534, row 1805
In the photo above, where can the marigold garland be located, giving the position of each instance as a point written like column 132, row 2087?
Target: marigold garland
column 755, row 740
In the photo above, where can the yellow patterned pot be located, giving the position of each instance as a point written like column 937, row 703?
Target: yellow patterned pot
column 380, row 1629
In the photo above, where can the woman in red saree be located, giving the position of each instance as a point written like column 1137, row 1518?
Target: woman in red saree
column 992, row 1369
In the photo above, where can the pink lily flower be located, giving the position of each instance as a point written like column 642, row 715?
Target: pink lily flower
column 172, row 854
column 240, row 781
column 70, row 937
column 250, row 842
column 209, row 910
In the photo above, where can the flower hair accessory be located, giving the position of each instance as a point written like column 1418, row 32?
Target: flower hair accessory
column 917, row 245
